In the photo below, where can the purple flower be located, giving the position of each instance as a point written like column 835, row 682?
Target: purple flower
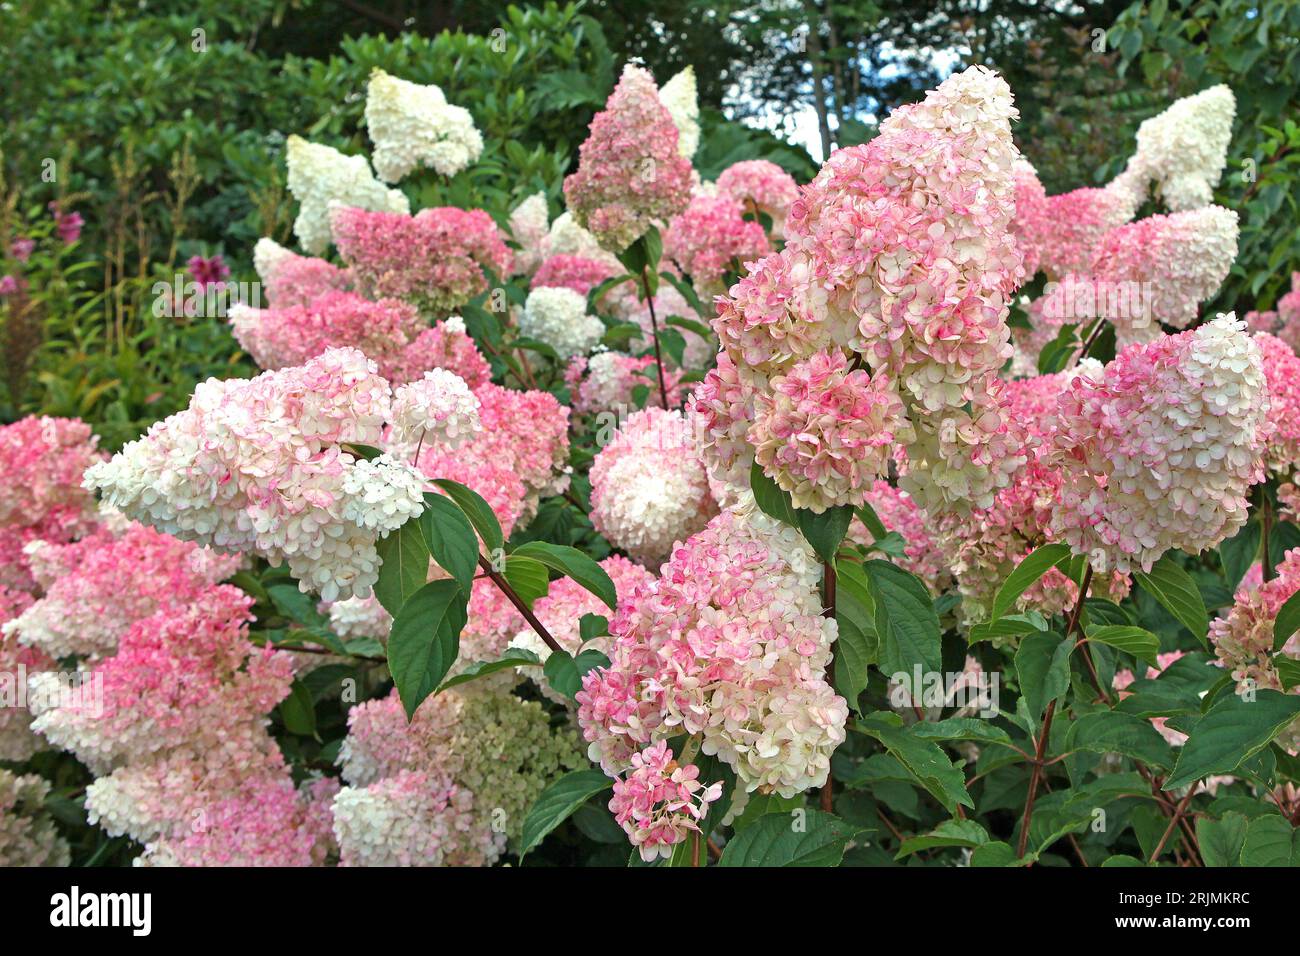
column 21, row 248
column 207, row 272
column 9, row 285
column 67, row 224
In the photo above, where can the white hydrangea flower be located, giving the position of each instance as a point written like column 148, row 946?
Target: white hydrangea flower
column 267, row 256
column 413, row 125
column 1185, row 148
column 382, row 493
column 439, row 409
column 559, row 318
column 649, row 488
column 680, row 97
column 528, row 227
column 319, row 175
column 568, row 238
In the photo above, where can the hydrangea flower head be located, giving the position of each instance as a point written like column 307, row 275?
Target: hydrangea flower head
column 631, row 173
column 319, row 176
column 1159, row 449
column 413, row 125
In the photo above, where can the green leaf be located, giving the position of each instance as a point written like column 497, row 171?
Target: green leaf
column 964, row 833
column 923, row 759
column 761, row 804
column 1137, row 641
column 1177, row 593
column 801, row 838
column 564, row 672
column 1232, row 731
column 904, row 620
column 1013, row 625
column 557, row 802
column 591, row 626
column 512, row 657
column 1107, row 731
column 856, row 647
column 1221, row 841
column 450, row 539
column 998, row 854
column 1287, row 621
column 771, row 499
column 528, row 577
column 825, row 531
column 1238, row 553
column 298, row 711
column 425, row 640
column 961, row 728
column 575, row 564
column 1270, row 841
column 477, row 510
column 871, row 521
column 405, row 565
column 1033, row 567
column 1043, row 668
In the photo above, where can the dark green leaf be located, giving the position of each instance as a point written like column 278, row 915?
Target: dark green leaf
column 425, row 640
column 450, row 539
column 557, row 802
column 575, row 564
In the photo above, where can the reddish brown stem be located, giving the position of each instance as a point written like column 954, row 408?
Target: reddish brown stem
column 654, row 331
column 499, row 580
column 1036, row 775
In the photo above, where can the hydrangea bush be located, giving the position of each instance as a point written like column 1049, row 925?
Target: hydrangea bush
column 690, row 523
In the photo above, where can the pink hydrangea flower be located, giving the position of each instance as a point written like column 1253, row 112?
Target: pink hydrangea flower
column 760, row 186
column 435, row 259
column 571, row 272
column 630, row 174
column 1158, row 451
column 660, row 801
column 710, row 238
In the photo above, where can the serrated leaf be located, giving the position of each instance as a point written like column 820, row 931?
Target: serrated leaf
column 824, row 531
column 1270, row 841
column 1137, row 641
column 564, row 672
column 1043, row 668
column 1033, row 567
column 511, row 658
column 1013, row 625
column 771, row 499
column 1221, row 841
column 557, row 802
column 963, row 833
column 856, row 647
column 477, row 510
column 575, row 564
column 1233, row 730
column 404, row 567
column 450, row 539
column 923, row 759
column 905, row 621
column 802, row 838
column 528, row 577
column 425, row 640
column 1109, row 731
column 1177, row 593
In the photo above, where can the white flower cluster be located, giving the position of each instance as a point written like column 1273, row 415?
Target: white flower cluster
column 681, row 99
column 27, row 833
column 413, row 125
column 256, row 465
column 649, row 487
column 438, row 409
column 1185, row 148
column 360, row 617
column 528, row 227
column 558, row 317
column 320, row 175
column 267, row 256
column 567, row 238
